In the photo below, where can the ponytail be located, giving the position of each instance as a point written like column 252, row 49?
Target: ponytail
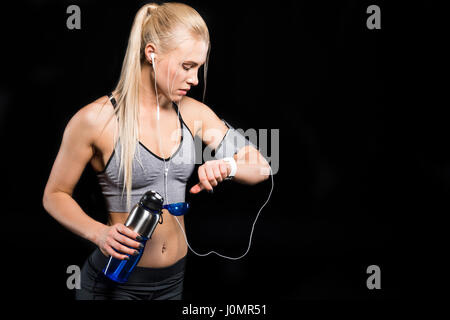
column 128, row 95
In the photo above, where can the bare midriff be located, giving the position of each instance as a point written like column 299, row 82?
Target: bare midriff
column 167, row 244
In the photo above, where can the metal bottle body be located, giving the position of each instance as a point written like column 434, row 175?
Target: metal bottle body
column 143, row 221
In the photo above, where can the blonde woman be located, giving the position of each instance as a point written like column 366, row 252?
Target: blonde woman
column 140, row 137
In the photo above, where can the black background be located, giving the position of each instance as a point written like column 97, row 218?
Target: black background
column 364, row 168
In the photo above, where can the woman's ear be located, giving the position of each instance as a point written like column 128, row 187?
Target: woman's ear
column 150, row 48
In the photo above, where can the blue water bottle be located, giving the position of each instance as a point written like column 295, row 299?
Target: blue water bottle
column 143, row 219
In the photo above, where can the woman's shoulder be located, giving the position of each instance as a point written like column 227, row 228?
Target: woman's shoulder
column 95, row 113
column 194, row 109
column 92, row 118
column 192, row 103
column 196, row 112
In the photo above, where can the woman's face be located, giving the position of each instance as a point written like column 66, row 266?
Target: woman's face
column 177, row 71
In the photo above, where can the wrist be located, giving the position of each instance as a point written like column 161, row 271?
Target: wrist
column 95, row 231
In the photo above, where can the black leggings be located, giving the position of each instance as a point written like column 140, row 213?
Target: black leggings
column 143, row 284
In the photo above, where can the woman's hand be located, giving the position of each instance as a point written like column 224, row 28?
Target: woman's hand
column 118, row 237
column 210, row 174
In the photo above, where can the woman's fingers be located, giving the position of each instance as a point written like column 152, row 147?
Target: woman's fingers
column 197, row 188
column 210, row 175
column 127, row 241
column 118, row 241
column 121, row 228
column 120, row 248
column 217, row 174
column 123, row 249
column 113, row 253
column 224, row 171
column 204, row 180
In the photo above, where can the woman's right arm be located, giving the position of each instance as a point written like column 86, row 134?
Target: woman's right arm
column 76, row 150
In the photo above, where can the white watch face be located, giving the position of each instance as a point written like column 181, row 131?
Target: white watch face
column 232, row 163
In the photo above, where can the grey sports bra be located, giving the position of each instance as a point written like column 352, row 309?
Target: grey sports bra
column 148, row 172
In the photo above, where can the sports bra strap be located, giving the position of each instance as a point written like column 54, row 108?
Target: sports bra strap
column 113, row 101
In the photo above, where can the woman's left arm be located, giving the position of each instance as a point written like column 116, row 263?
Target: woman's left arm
column 252, row 167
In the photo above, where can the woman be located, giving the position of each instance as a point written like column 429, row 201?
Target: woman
column 167, row 46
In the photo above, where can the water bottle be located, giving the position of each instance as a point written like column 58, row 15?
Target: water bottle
column 143, row 219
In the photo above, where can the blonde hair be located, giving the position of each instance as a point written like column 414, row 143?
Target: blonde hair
column 155, row 23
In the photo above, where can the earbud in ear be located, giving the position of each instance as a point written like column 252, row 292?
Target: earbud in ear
column 152, row 56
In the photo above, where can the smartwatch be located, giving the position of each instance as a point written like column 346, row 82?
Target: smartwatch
column 233, row 165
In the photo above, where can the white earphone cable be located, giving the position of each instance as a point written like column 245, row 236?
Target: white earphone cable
column 166, row 171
